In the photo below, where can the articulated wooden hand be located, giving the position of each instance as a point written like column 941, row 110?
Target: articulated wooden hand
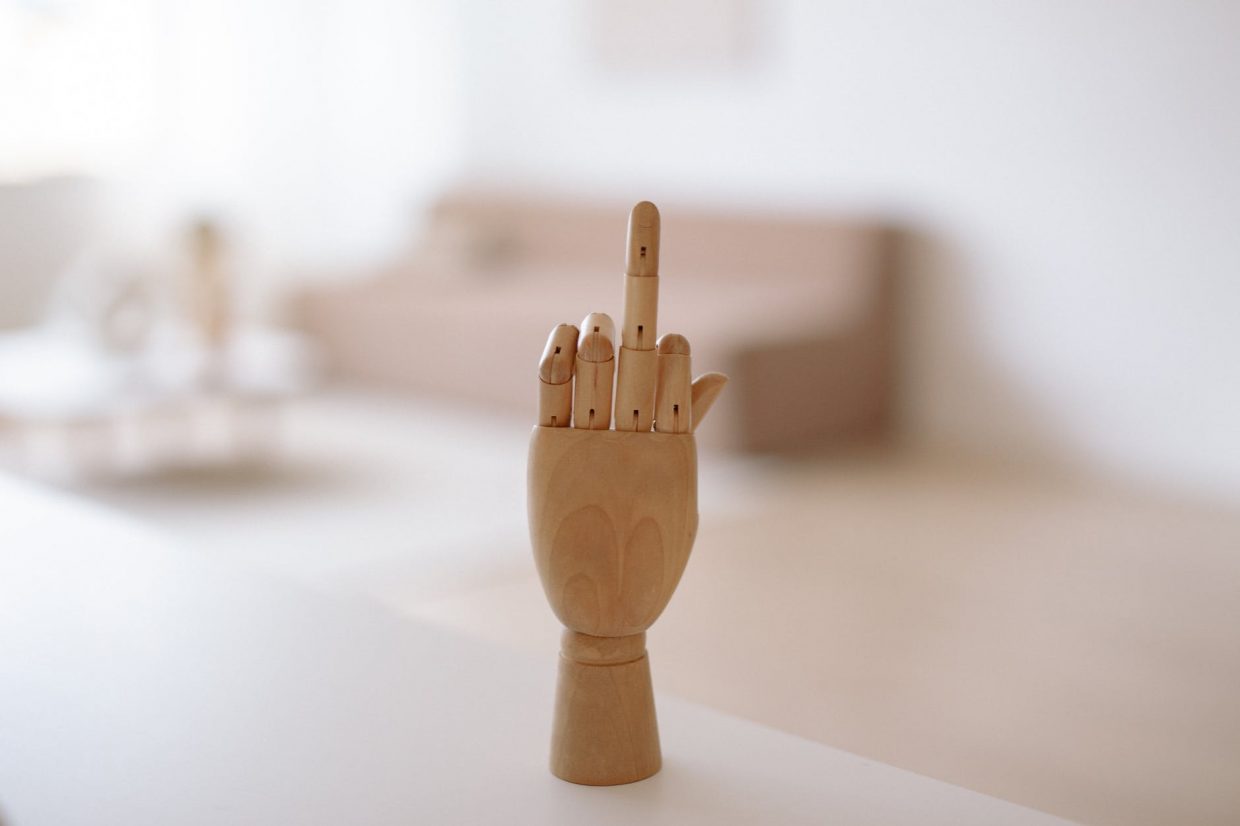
column 613, row 513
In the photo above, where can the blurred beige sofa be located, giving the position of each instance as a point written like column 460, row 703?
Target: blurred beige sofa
column 798, row 310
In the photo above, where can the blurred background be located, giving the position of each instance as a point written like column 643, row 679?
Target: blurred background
column 274, row 278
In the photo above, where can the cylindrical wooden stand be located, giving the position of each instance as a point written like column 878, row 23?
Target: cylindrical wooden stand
column 605, row 732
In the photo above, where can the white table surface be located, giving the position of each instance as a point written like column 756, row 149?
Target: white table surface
column 141, row 684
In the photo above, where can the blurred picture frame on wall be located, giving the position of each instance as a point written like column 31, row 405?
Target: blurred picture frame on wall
column 677, row 36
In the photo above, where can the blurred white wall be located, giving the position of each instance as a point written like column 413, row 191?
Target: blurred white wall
column 323, row 126
column 43, row 228
column 314, row 130
column 1071, row 171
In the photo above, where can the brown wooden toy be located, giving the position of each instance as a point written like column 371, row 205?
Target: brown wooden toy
column 613, row 514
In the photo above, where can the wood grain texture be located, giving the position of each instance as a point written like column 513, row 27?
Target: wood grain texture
column 605, row 731
column 556, row 364
column 638, row 372
column 597, row 340
column 613, row 515
column 706, row 389
column 642, row 251
column 555, row 377
column 641, row 312
column 595, row 373
column 555, row 404
column 612, row 521
column 635, row 386
column 674, row 396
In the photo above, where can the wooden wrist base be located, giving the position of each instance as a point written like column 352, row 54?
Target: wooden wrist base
column 605, row 732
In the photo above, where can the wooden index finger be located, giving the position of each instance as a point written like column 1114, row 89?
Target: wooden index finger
column 635, row 384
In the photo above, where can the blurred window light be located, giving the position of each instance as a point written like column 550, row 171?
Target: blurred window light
column 317, row 125
column 78, row 81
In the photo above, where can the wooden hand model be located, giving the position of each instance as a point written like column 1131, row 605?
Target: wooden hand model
column 613, row 514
